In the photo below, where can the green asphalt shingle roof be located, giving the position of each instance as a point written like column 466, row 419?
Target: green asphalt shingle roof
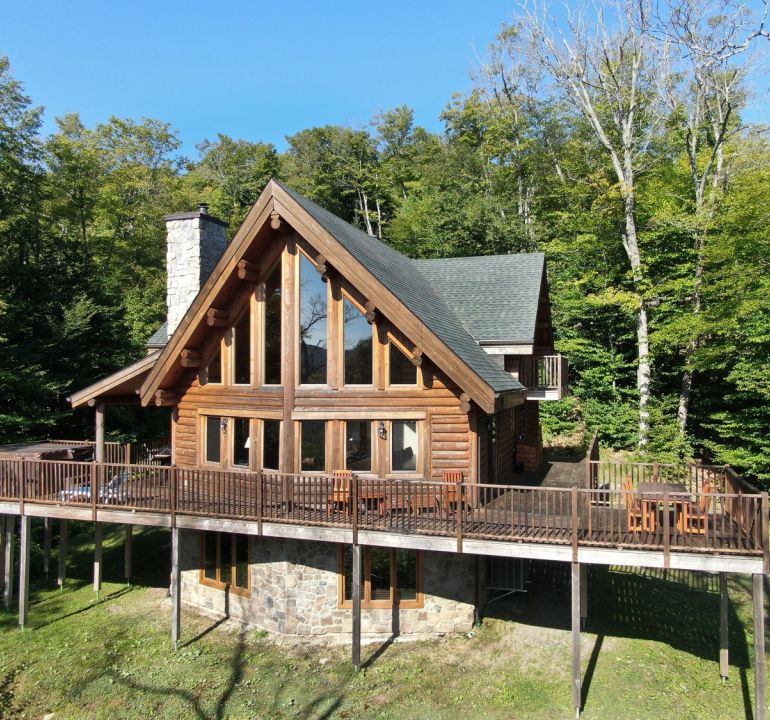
column 402, row 276
column 495, row 297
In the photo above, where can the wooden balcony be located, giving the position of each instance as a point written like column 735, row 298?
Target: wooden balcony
column 546, row 377
column 726, row 517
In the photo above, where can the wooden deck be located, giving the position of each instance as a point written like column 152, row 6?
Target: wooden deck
column 734, row 521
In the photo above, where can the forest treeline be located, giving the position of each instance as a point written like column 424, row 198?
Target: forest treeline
column 628, row 162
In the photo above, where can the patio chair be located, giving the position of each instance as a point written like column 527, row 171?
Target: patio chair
column 448, row 498
column 634, row 509
column 340, row 494
column 695, row 515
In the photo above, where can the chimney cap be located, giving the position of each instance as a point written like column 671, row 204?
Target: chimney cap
column 202, row 212
column 203, row 207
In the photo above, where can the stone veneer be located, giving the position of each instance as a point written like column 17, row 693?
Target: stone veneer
column 294, row 591
column 194, row 243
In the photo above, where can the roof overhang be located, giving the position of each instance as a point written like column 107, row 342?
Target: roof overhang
column 120, row 388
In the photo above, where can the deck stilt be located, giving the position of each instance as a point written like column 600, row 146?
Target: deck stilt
column 46, row 546
column 724, row 603
column 3, row 521
column 760, row 681
column 583, row 595
column 10, row 531
column 176, row 590
column 99, row 447
column 356, row 594
column 129, row 553
column 98, row 535
column 63, row 537
column 576, row 689
column 26, row 527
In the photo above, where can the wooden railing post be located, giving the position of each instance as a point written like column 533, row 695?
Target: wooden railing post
column 128, row 453
column 260, row 478
column 94, row 487
column 574, row 499
column 666, row 530
column 22, row 483
column 459, row 516
column 764, row 531
column 172, row 478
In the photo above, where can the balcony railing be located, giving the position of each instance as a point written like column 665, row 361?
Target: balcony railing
column 697, row 509
column 544, row 376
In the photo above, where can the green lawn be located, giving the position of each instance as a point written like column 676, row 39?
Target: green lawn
column 650, row 651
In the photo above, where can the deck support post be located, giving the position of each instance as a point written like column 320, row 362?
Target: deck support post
column 576, row 689
column 10, row 530
column 26, row 528
column 760, row 681
column 99, row 451
column 46, row 545
column 98, row 534
column 128, row 559
column 724, row 603
column 583, row 595
column 356, row 595
column 63, row 537
column 176, row 590
column 3, row 521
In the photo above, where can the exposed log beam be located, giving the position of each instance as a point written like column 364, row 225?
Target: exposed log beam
column 465, row 402
column 416, row 357
column 191, row 358
column 114, row 400
column 217, row 318
column 165, row 398
column 275, row 220
column 248, row 271
column 323, row 267
column 371, row 312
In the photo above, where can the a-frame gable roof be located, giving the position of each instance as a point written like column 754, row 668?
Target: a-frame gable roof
column 388, row 278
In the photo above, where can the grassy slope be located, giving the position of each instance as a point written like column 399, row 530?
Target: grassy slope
column 653, row 655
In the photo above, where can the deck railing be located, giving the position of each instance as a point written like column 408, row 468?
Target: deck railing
column 729, row 518
column 544, row 372
column 142, row 452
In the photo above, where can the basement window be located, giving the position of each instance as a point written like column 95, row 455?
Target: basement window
column 225, row 562
column 390, row 578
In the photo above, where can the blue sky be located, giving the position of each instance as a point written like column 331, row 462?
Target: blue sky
column 254, row 70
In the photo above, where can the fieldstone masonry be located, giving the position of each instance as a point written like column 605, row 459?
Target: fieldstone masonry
column 295, row 585
column 195, row 242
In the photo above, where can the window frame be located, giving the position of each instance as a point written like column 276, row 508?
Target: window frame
column 218, row 584
column 366, row 601
column 277, row 265
column 392, row 340
column 233, row 347
column 418, row 428
column 298, row 447
column 372, row 447
column 298, row 322
column 204, row 444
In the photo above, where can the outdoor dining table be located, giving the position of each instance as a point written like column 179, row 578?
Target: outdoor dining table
column 653, row 495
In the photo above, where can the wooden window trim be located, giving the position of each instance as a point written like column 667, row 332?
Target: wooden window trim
column 203, row 430
column 211, row 348
column 297, row 300
column 366, row 601
column 217, row 584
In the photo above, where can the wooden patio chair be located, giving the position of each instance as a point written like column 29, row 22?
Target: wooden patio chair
column 448, row 497
column 634, row 510
column 341, row 492
column 695, row 515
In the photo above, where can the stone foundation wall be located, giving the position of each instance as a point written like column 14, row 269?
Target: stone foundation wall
column 295, row 585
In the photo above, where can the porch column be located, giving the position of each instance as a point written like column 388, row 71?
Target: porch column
column 3, row 521
column 46, row 546
column 98, row 534
column 583, row 594
column 760, row 682
column 26, row 527
column 724, row 603
column 63, row 537
column 10, row 530
column 576, row 689
column 356, row 594
column 99, row 454
column 176, row 590
column 129, row 553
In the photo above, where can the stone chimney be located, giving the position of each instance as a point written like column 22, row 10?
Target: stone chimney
column 195, row 242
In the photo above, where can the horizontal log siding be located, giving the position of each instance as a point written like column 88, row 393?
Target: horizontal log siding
column 450, row 444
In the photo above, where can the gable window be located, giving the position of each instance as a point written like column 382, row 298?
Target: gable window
column 213, row 451
column 403, row 444
column 242, row 350
column 358, row 446
column 402, row 372
column 314, row 309
column 313, row 445
column 357, row 334
column 272, row 331
column 214, row 368
column 390, row 578
column 225, row 562
column 241, row 442
column 271, row 444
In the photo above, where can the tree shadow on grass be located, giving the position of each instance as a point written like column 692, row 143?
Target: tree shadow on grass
column 678, row 608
